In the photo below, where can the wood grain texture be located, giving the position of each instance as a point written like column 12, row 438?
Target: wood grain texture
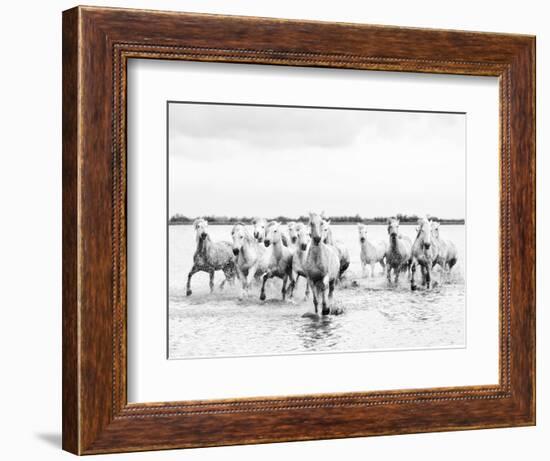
column 97, row 43
column 70, row 384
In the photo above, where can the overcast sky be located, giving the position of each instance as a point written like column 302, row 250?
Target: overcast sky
column 269, row 161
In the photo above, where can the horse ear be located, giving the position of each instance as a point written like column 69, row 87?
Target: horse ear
column 328, row 221
column 196, row 223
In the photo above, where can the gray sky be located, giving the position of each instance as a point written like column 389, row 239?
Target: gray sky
column 269, row 161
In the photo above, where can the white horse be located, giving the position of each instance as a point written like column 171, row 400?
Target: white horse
column 299, row 257
column 210, row 257
column 446, row 254
column 259, row 225
column 250, row 258
column 260, row 229
column 398, row 254
column 342, row 250
column 280, row 259
column 422, row 253
column 370, row 254
column 292, row 227
column 322, row 265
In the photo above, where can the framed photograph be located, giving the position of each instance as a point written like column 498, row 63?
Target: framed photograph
column 282, row 230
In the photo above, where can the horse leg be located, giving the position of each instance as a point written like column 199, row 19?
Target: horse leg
column 364, row 269
column 193, row 271
column 266, row 276
column 423, row 272
column 314, row 293
column 330, row 291
column 388, row 273
column 383, row 265
column 372, row 269
column 242, row 278
column 306, row 294
column 397, row 272
column 428, row 276
column 413, row 281
column 292, row 285
column 283, row 289
column 292, row 282
column 324, row 287
column 228, row 274
column 211, row 273
column 250, row 277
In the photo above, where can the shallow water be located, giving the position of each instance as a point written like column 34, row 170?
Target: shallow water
column 375, row 316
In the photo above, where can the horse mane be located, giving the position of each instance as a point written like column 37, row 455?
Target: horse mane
column 201, row 243
column 197, row 221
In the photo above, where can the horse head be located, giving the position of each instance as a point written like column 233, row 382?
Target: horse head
column 424, row 233
column 303, row 236
column 393, row 228
column 292, row 231
column 201, row 228
column 435, row 228
column 260, row 225
column 362, row 232
column 238, row 234
column 327, row 233
column 316, row 228
column 273, row 233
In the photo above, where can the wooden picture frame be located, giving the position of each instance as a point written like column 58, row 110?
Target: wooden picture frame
column 97, row 43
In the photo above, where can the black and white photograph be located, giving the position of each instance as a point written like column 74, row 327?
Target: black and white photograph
column 296, row 230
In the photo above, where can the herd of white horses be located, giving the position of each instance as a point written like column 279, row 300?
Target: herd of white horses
column 310, row 251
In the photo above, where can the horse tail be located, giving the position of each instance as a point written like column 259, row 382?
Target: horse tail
column 343, row 267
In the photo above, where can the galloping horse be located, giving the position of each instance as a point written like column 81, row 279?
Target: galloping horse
column 445, row 250
column 280, row 259
column 422, row 253
column 299, row 257
column 249, row 257
column 370, row 253
column 210, row 257
column 260, row 228
column 343, row 253
column 398, row 254
column 322, row 265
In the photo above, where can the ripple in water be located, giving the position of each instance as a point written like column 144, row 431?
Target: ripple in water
column 376, row 317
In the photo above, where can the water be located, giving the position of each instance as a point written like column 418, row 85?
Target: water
column 376, row 317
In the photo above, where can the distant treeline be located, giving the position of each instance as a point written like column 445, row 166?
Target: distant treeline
column 403, row 218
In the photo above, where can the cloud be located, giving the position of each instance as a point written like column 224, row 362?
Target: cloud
column 268, row 127
column 205, row 131
column 237, row 160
